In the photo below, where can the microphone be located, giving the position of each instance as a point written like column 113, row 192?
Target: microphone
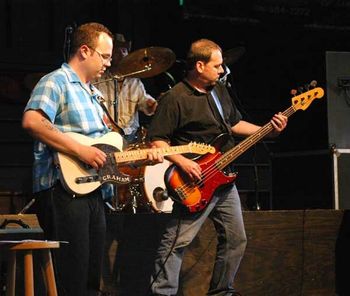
column 224, row 75
column 66, row 46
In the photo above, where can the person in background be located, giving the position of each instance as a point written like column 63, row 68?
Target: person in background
column 125, row 97
column 199, row 109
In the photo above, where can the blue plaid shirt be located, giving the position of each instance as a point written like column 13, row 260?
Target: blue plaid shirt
column 71, row 106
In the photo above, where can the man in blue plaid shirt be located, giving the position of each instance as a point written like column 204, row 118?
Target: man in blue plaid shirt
column 63, row 101
column 66, row 101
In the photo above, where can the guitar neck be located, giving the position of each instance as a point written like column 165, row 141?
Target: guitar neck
column 141, row 154
column 243, row 146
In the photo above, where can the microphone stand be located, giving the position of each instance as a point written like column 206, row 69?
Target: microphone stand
column 115, row 102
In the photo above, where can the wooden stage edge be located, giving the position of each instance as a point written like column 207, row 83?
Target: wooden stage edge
column 294, row 252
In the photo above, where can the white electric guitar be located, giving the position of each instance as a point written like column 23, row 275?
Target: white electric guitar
column 79, row 178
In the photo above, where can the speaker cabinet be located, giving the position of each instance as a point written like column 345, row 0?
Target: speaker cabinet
column 341, row 177
column 338, row 98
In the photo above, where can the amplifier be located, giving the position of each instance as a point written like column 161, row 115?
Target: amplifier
column 341, row 178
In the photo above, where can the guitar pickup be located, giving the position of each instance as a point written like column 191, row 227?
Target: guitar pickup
column 87, row 179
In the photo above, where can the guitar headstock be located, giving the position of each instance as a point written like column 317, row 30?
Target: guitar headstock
column 199, row 148
column 304, row 100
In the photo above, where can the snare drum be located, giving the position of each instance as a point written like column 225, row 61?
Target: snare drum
column 155, row 189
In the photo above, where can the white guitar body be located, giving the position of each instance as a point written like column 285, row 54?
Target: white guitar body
column 70, row 168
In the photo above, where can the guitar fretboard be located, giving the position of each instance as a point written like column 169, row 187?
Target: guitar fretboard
column 236, row 151
column 133, row 155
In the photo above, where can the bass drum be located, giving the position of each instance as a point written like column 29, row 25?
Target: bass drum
column 155, row 189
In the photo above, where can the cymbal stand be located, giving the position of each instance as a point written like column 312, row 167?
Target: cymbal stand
column 108, row 204
column 136, row 195
column 135, row 199
column 121, row 77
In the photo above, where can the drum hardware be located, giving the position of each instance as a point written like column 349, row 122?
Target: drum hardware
column 120, row 207
column 147, row 191
column 160, row 194
column 121, row 77
column 135, row 201
column 145, row 62
column 131, row 197
column 134, row 196
column 113, row 209
column 138, row 180
column 155, row 189
column 172, row 80
column 148, row 194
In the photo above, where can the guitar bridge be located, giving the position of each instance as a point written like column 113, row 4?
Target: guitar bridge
column 87, row 179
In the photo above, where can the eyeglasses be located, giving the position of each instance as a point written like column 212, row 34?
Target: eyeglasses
column 104, row 57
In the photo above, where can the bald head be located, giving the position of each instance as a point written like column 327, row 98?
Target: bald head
column 201, row 50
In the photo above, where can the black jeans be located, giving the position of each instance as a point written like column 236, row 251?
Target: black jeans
column 81, row 222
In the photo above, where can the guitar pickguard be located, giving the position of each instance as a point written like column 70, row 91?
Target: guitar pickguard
column 110, row 172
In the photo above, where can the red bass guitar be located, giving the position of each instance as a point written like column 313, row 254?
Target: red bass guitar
column 196, row 195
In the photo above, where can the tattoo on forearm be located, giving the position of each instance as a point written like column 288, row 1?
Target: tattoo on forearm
column 49, row 125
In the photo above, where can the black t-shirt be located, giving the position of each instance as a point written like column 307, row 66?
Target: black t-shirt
column 185, row 114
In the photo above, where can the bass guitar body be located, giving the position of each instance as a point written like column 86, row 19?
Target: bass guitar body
column 196, row 195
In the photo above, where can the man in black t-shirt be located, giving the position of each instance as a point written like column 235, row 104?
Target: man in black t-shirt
column 200, row 109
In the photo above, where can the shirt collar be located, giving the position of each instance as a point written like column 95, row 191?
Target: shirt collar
column 193, row 90
column 72, row 76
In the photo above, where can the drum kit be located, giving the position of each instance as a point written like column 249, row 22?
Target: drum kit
column 147, row 192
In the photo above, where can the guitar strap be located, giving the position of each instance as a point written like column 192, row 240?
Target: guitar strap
column 115, row 127
column 215, row 98
column 217, row 102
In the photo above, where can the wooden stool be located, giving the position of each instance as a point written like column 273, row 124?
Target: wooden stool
column 27, row 246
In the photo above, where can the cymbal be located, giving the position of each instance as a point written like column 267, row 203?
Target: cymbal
column 146, row 62
column 233, row 55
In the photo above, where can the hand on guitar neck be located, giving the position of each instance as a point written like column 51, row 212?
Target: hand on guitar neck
column 190, row 167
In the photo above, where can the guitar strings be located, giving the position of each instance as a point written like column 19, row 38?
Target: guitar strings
column 211, row 171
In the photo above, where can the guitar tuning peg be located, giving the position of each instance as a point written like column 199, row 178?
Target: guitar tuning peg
column 300, row 89
column 313, row 84
column 293, row 92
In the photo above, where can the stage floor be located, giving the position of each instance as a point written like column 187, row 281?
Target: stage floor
column 301, row 252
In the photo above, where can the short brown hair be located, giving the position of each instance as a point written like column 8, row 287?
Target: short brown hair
column 200, row 50
column 87, row 34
